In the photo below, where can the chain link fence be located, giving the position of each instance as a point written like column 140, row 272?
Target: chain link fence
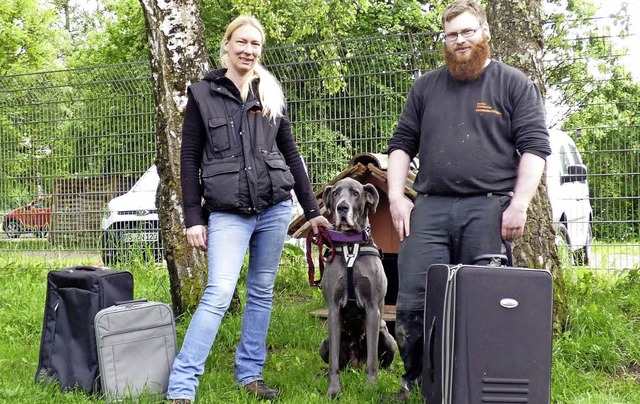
column 73, row 141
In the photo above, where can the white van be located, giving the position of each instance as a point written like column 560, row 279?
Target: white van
column 568, row 192
column 131, row 221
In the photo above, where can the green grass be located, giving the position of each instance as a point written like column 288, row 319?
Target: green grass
column 596, row 361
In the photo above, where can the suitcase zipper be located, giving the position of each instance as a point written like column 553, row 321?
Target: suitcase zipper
column 449, row 320
column 111, row 334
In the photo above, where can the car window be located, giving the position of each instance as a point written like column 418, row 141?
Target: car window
column 41, row 203
column 575, row 154
column 565, row 158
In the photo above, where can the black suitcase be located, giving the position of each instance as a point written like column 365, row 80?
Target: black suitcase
column 488, row 333
column 68, row 353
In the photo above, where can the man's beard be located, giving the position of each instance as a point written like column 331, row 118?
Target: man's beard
column 471, row 68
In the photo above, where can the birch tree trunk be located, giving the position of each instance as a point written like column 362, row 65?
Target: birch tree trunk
column 517, row 38
column 178, row 58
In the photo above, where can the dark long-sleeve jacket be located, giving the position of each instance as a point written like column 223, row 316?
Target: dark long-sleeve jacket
column 234, row 157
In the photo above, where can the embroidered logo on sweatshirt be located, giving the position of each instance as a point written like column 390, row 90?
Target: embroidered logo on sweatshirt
column 484, row 107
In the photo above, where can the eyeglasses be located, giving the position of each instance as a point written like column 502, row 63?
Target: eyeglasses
column 467, row 33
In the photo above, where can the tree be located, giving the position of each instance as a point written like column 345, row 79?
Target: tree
column 517, row 38
column 29, row 36
column 178, row 58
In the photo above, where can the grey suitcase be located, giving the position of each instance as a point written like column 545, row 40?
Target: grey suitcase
column 487, row 334
column 137, row 344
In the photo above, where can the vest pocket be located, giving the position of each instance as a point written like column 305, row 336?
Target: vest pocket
column 219, row 133
column 220, row 180
column 282, row 181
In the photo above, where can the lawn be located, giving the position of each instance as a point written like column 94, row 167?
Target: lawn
column 597, row 360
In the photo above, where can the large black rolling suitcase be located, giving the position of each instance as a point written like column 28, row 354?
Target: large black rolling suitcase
column 488, row 333
column 68, row 353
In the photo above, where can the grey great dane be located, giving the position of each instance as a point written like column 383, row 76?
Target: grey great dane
column 354, row 286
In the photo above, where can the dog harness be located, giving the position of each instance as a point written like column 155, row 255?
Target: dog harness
column 349, row 245
column 350, row 253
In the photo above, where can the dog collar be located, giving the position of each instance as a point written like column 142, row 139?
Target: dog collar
column 341, row 237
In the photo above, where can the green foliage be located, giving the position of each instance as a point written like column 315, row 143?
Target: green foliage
column 298, row 21
column 117, row 35
column 601, row 339
column 29, row 36
column 397, row 17
column 325, row 153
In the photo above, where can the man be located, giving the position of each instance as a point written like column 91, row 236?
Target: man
column 479, row 129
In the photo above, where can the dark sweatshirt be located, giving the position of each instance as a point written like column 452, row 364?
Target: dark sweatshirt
column 469, row 136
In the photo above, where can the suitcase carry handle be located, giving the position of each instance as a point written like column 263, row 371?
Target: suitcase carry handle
column 492, row 260
column 134, row 301
column 430, row 347
column 497, row 260
column 87, row 268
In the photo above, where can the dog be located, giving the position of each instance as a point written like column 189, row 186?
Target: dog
column 357, row 333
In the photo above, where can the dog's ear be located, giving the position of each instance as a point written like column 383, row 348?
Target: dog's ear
column 372, row 197
column 326, row 198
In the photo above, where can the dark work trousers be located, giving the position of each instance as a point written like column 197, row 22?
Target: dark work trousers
column 444, row 230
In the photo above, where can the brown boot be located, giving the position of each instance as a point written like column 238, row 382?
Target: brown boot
column 180, row 401
column 260, row 390
column 401, row 396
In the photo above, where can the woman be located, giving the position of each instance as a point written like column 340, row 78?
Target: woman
column 239, row 157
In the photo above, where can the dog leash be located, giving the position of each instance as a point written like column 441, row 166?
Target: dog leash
column 320, row 239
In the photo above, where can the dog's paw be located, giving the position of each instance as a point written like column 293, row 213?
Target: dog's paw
column 372, row 378
column 334, row 389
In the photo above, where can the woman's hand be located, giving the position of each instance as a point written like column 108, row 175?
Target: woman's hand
column 197, row 237
column 319, row 221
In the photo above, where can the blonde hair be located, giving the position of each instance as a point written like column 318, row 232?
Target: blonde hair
column 269, row 89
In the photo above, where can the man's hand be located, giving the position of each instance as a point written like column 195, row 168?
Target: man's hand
column 529, row 172
column 401, row 216
column 399, row 205
column 197, row 237
column 513, row 220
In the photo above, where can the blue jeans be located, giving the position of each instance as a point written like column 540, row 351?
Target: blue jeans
column 229, row 236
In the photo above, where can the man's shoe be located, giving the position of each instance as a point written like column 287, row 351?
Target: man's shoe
column 180, row 401
column 400, row 396
column 260, row 390
column 403, row 395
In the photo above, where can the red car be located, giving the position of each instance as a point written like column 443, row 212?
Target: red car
column 33, row 217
